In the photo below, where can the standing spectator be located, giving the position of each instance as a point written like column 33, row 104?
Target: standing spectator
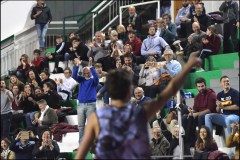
column 6, row 110
column 233, row 139
column 87, row 93
column 159, row 144
column 231, row 15
column 183, row 13
column 23, row 144
column 205, row 141
column 169, row 29
column 153, row 44
column 204, row 103
column 46, row 148
column 42, row 15
column 211, row 44
column 6, row 153
column 134, row 19
column 227, row 107
column 38, row 62
column 165, row 6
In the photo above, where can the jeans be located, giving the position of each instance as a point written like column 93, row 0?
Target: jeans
column 41, row 32
column 5, row 124
column 222, row 120
column 83, row 111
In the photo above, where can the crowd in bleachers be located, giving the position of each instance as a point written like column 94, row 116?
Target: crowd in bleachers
column 31, row 102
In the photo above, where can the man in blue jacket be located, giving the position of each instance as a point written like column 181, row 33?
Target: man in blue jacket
column 87, row 92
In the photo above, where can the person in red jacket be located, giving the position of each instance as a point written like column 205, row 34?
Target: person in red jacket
column 38, row 62
column 211, row 43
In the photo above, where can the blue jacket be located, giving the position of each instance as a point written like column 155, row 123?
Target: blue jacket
column 88, row 88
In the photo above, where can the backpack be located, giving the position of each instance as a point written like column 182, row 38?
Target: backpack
column 219, row 155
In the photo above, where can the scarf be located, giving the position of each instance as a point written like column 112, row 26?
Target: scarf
column 6, row 153
column 132, row 19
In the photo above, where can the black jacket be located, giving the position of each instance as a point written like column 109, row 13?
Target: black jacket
column 44, row 17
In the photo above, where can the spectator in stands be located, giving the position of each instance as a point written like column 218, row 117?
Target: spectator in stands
column 170, row 66
column 231, row 15
column 233, row 139
column 101, row 74
column 227, row 107
column 140, row 97
column 211, row 44
column 122, row 33
column 204, row 103
column 67, row 85
column 37, row 62
column 33, row 79
column 182, row 17
column 135, row 43
column 28, row 105
column 133, row 68
column 159, row 144
column 38, row 94
column 131, row 28
column 6, row 110
column 127, row 49
column 15, row 81
column 87, row 93
column 153, row 44
column 192, row 8
column 168, row 30
column 115, row 46
column 159, row 26
column 46, row 148
column 205, row 141
column 23, row 144
column 97, row 49
column 134, row 19
column 17, row 116
column 42, row 15
column 46, row 117
column 23, row 68
column 200, row 17
column 165, row 6
column 6, row 153
column 150, row 73
column 45, row 78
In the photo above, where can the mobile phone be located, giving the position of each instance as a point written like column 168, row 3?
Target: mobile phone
column 24, row 135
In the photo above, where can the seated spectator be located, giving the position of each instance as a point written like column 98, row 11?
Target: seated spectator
column 38, row 94
column 133, row 68
column 153, row 45
column 135, row 19
column 115, row 46
column 159, row 26
column 37, row 62
column 131, row 28
column 127, row 49
column 33, row 79
column 211, row 44
column 23, row 144
column 46, row 118
column 97, row 49
column 66, row 86
column 17, row 114
column 45, row 78
column 205, row 141
column 23, row 68
column 183, row 14
column 170, row 66
column 227, row 107
column 51, row 96
column 204, row 103
column 168, row 30
column 233, row 139
column 6, row 153
column 159, row 144
column 150, row 73
column 139, row 95
column 15, row 81
column 192, row 8
column 68, row 44
column 122, row 36
column 46, row 148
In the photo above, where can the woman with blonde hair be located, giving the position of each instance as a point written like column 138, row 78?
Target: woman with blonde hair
column 15, row 81
column 122, row 33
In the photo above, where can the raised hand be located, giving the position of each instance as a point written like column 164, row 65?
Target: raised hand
column 90, row 61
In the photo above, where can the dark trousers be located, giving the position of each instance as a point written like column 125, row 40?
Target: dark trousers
column 5, row 124
column 204, row 54
column 230, row 29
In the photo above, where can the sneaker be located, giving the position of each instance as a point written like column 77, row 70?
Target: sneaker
column 200, row 70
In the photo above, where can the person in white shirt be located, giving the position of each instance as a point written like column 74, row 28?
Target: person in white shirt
column 65, row 86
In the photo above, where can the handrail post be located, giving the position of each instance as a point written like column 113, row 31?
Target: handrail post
column 92, row 24
column 64, row 29
column 181, row 133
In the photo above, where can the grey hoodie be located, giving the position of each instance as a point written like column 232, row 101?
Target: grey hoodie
column 230, row 11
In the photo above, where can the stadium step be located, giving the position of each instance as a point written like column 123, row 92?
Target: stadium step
column 72, row 119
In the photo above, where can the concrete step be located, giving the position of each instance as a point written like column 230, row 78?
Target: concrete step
column 231, row 72
column 72, row 119
column 68, row 146
column 236, row 64
column 70, row 137
column 234, row 81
